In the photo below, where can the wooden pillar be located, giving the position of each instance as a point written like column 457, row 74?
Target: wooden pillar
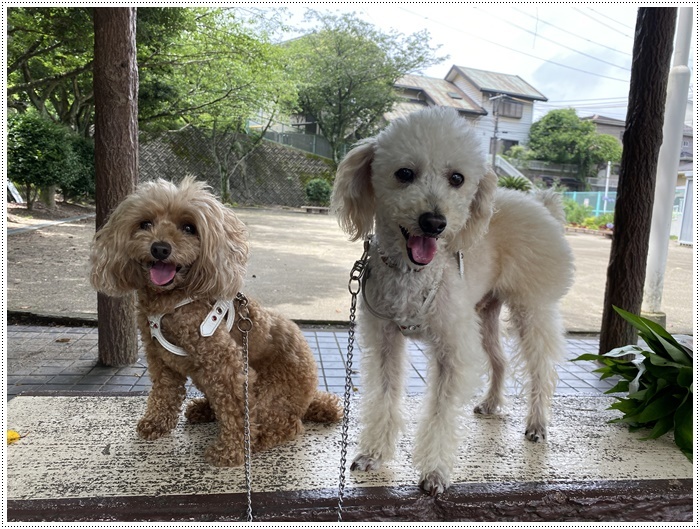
column 115, row 80
column 651, row 62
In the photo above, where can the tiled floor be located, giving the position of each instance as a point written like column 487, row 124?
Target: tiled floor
column 65, row 359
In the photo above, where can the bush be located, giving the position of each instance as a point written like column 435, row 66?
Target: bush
column 318, row 192
column 40, row 154
column 82, row 186
column 576, row 213
column 515, row 182
column 601, row 222
column 658, row 380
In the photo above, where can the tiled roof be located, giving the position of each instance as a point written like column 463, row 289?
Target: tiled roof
column 497, row 83
column 440, row 92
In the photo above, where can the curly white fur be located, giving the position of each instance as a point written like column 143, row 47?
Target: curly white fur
column 425, row 189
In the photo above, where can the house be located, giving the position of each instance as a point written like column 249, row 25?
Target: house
column 417, row 92
column 508, row 100
column 616, row 128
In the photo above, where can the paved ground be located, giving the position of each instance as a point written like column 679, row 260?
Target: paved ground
column 300, row 264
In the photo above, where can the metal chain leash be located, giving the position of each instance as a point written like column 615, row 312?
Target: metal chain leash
column 354, row 286
column 245, row 325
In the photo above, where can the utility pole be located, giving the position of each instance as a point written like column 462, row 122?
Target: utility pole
column 496, row 101
column 667, row 170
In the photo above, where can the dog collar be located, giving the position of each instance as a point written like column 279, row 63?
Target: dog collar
column 222, row 310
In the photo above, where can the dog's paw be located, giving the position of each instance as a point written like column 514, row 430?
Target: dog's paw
column 199, row 411
column 151, row 429
column 434, row 483
column 366, row 463
column 536, row 434
column 487, row 408
column 224, row 456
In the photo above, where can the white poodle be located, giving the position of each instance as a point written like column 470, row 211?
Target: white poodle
column 449, row 249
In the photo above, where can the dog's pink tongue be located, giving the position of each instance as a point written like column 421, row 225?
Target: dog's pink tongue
column 423, row 249
column 162, row 273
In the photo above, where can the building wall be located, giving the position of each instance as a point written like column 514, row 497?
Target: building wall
column 510, row 129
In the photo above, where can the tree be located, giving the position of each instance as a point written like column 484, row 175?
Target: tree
column 116, row 160
column 349, row 68
column 651, row 61
column 205, row 67
column 49, row 56
column 50, row 59
column 40, row 154
column 224, row 72
column 562, row 137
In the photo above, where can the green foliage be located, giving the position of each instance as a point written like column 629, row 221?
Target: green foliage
column 349, row 68
column 576, row 213
column 40, row 154
column 600, row 222
column 518, row 183
column 82, row 185
column 518, row 155
column 196, row 66
column 658, row 380
column 562, row 137
column 318, row 192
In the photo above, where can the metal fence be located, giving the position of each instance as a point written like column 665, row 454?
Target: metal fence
column 597, row 200
column 600, row 203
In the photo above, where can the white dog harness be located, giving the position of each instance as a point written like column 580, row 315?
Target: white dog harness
column 222, row 310
column 413, row 326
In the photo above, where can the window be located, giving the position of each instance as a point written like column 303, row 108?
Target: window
column 510, row 109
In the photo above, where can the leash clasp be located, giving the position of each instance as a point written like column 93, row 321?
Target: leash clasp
column 358, row 270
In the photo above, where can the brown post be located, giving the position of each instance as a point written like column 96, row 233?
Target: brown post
column 115, row 82
column 651, row 62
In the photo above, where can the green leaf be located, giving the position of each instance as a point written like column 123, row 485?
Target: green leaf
column 685, row 377
column 662, row 426
column 626, row 406
column 657, row 337
column 683, row 432
column 588, row 357
column 659, row 361
column 655, row 410
column 621, row 387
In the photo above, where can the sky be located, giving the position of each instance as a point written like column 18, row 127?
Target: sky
column 577, row 55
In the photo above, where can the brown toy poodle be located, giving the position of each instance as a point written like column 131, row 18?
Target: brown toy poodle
column 184, row 254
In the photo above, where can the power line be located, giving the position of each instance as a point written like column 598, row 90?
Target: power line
column 555, row 42
column 512, row 49
column 569, row 32
column 601, row 23
column 612, row 19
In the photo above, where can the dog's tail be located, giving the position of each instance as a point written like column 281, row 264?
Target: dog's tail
column 325, row 407
column 553, row 202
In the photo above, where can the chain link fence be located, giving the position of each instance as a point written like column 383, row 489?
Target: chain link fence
column 266, row 174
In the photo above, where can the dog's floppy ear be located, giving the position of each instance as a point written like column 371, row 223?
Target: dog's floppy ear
column 480, row 212
column 111, row 272
column 219, row 270
column 353, row 195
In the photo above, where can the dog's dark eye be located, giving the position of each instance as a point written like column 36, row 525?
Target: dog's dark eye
column 456, row 179
column 405, row 175
column 189, row 228
column 146, row 225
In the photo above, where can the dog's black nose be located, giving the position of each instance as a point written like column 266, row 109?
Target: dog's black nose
column 432, row 223
column 161, row 250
